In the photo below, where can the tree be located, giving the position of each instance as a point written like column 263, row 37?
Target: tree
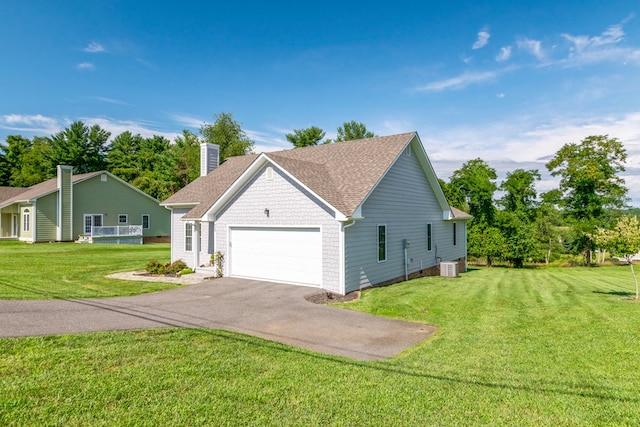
column 79, row 146
column 156, row 175
column 475, row 181
column 548, row 222
column 589, row 183
column 353, row 130
column 520, row 193
column 622, row 240
column 186, row 154
column 305, row 137
column 486, row 242
column 25, row 161
column 228, row 135
column 123, row 156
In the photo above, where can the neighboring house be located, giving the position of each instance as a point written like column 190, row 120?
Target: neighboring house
column 64, row 207
column 336, row 216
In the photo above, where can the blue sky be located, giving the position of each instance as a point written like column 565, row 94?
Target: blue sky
column 509, row 82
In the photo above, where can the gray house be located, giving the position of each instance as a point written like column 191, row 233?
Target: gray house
column 341, row 216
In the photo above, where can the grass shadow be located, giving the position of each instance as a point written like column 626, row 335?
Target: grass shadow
column 616, row 293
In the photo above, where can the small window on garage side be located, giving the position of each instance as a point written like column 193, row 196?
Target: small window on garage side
column 123, row 218
column 269, row 173
column 455, row 236
column 188, row 237
column 382, row 243
column 429, row 237
column 146, row 221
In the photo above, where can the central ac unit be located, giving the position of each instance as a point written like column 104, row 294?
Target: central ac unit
column 449, row 269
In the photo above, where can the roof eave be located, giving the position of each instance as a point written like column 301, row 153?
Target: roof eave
column 239, row 183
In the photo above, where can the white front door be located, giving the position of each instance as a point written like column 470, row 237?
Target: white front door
column 279, row 254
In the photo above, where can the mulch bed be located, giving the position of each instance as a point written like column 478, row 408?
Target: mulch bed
column 326, row 297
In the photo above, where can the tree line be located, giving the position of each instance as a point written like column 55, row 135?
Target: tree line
column 520, row 226
column 523, row 226
column 155, row 165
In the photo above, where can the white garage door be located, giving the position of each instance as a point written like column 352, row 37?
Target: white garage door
column 291, row 255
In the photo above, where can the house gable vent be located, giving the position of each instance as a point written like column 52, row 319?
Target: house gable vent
column 449, row 269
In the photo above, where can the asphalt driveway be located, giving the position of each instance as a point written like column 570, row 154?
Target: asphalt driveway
column 272, row 311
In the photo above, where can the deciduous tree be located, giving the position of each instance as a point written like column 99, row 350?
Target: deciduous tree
column 622, row 240
column 589, row 182
column 305, row 137
column 228, row 135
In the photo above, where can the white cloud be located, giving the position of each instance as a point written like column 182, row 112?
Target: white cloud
column 110, row 100
column 500, row 95
column 459, row 82
column 30, row 123
column 94, row 47
column 85, row 66
column 190, row 122
column 116, row 127
column 534, row 47
column 604, row 47
column 482, row 40
column 505, row 53
column 522, row 143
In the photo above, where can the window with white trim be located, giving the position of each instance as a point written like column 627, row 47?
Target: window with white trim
column 91, row 220
column 123, row 218
column 26, row 220
column 188, row 237
column 146, row 221
column 429, row 237
column 382, row 243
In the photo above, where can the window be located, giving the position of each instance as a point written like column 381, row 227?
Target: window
column 455, row 237
column 429, row 237
column 269, row 173
column 146, row 220
column 188, row 237
column 26, row 220
column 407, row 151
column 91, row 221
column 122, row 219
column 382, row 243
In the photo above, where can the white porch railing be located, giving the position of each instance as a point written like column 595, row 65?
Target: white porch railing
column 121, row 234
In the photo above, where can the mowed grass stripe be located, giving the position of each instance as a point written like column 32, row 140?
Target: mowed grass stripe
column 524, row 347
column 69, row 270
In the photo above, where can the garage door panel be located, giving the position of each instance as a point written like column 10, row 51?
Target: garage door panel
column 279, row 254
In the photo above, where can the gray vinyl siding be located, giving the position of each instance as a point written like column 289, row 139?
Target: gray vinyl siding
column 177, row 237
column 404, row 202
column 46, row 218
column 289, row 205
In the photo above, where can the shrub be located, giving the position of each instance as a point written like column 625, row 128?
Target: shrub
column 176, row 267
column 155, row 267
column 185, row 271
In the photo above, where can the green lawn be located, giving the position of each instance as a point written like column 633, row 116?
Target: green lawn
column 539, row 347
column 70, row 270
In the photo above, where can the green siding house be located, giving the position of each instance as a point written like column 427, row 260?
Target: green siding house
column 65, row 207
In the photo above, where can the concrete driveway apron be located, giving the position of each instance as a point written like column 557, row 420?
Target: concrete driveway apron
column 272, row 311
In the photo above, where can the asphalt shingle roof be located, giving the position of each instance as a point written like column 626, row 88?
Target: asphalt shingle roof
column 41, row 189
column 343, row 173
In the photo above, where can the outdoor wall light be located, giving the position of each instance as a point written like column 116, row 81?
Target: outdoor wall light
column 266, row 212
